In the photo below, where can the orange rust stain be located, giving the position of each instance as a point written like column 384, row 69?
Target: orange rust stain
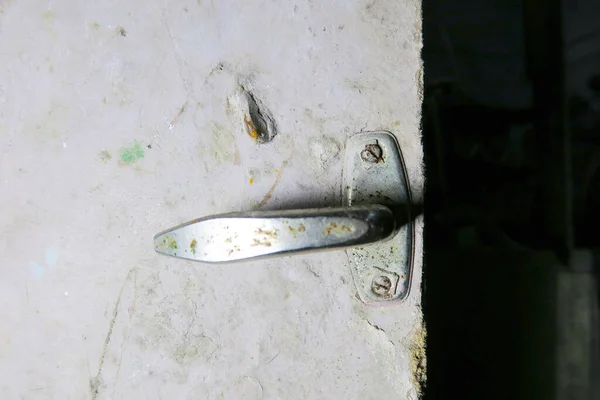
column 252, row 132
column 336, row 229
column 295, row 230
column 330, row 228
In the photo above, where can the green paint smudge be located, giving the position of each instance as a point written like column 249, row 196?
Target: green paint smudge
column 131, row 154
column 193, row 245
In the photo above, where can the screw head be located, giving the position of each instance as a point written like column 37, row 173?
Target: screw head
column 381, row 286
column 372, row 154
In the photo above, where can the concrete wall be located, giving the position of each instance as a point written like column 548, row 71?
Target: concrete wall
column 118, row 120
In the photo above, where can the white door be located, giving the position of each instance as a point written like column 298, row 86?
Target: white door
column 122, row 119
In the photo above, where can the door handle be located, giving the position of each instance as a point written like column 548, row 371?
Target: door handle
column 374, row 223
column 259, row 234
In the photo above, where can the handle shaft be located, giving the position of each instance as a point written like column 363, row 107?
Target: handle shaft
column 257, row 234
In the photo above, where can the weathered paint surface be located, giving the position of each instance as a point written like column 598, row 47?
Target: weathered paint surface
column 79, row 82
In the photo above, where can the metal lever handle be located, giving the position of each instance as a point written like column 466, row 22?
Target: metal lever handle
column 257, row 234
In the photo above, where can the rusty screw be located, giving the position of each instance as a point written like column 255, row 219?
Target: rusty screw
column 372, row 154
column 381, row 286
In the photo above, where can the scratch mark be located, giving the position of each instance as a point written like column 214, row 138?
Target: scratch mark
column 131, row 311
column 255, row 380
column 268, row 195
column 179, row 113
column 180, row 62
column 218, row 68
column 377, row 327
column 312, row 271
column 96, row 380
column 181, row 352
column 273, row 358
column 236, row 155
column 37, row 389
column 186, row 335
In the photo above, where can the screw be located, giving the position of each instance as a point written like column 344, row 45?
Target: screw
column 372, row 154
column 381, row 286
